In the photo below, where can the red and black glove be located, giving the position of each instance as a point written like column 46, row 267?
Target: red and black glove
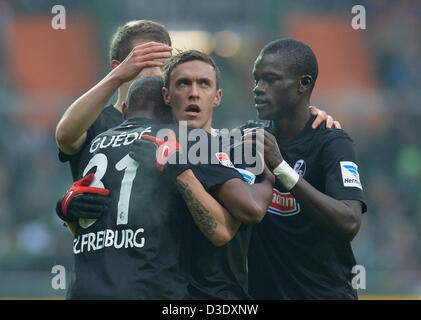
column 82, row 201
column 165, row 148
column 166, row 153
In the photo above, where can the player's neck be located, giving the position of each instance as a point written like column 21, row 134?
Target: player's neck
column 122, row 93
column 146, row 114
column 209, row 130
column 291, row 124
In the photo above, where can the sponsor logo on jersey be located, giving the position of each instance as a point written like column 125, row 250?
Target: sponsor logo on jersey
column 224, row 159
column 350, row 175
column 300, row 167
column 283, row 204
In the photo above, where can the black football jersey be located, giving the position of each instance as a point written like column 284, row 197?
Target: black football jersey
column 220, row 273
column 107, row 119
column 291, row 255
column 141, row 249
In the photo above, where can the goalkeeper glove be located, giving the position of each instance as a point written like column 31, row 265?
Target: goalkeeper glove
column 165, row 153
column 82, row 201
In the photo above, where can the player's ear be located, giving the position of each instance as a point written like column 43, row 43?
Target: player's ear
column 166, row 96
column 218, row 98
column 305, row 83
column 114, row 64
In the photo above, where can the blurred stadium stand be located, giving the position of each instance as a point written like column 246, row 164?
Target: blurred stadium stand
column 369, row 81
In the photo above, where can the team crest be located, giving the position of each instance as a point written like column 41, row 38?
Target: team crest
column 224, row 159
column 283, row 204
column 300, row 167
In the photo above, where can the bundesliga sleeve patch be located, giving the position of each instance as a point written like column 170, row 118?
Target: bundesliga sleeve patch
column 350, row 175
column 224, row 159
column 248, row 176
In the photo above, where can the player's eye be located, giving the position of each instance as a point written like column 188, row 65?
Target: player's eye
column 271, row 78
column 183, row 82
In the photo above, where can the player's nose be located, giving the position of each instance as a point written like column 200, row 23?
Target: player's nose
column 194, row 90
column 258, row 88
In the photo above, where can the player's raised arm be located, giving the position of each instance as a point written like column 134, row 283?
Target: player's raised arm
column 343, row 217
column 81, row 114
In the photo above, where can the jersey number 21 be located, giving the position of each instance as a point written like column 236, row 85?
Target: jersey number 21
column 126, row 164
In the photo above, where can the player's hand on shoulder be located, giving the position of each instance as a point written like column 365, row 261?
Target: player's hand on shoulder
column 153, row 149
column 143, row 151
column 165, row 155
column 321, row 116
column 82, row 201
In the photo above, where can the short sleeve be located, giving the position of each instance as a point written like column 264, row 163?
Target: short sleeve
column 64, row 157
column 341, row 170
column 211, row 175
column 108, row 118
